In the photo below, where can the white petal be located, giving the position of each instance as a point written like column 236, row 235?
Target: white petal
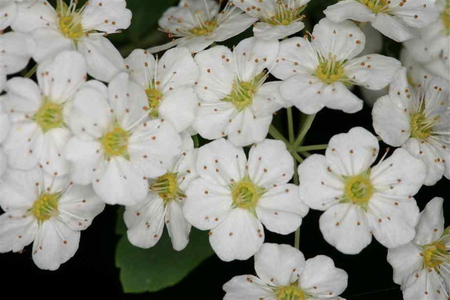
column 247, row 287
column 431, row 222
column 23, row 99
column 417, row 14
column 84, row 159
column 391, row 122
column 346, row 227
column 179, row 107
column 121, row 183
column 352, row 153
column 279, row 264
column 239, row 236
column 319, row 188
column 212, row 119
column 8, row 11
column 234, row 23
column 17, row 49
column 16, row 231
column 220, row 162
column 349, row 10
column 275, row 32
column 32, row 15
column 393, row 225
column 321, row 279
column 372, row 71
column 426, row 285
column 128, row 100
column 281, row 210
column 270, row 163
column 305, row 92
column 253, row 55
column 79, row 206
column 55, row 244
column 60, row 77
column 177, row 226
column 107, row 16
column 50, row 42
column 140, row 65
column 52, row 158
column 207, row 205
column 268, row 99
column 338, row 96
column 154, row 146
column 392, row 27
column 405, row 260
column 3, row 163
column 177, row 69
column 145, row 222
column 345, row 40
column 399, row 175
column 103, row 60
column 19, row 189
column 246, row 128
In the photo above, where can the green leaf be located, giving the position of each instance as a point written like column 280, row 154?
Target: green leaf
column 151, row 270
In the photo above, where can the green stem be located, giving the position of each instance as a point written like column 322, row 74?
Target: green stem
column 297, row 157
column 273, row 131
column 305, row 128
column 31, row 72
column 290, row 125
column 305, row 154
column 312, row 148
column 297, row 239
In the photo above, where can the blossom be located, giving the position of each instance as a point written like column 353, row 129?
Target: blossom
column 8, row 11
column 233, row 196
column 432, row 46
column 164, row 204
column 83, row 29
column 360, row 200
column 196, row 24
column 115, row 146
column 235, row 100
column 168, row 83
column 47, row 211
column 38, row 113
column 395, row 19
column 5, row 126
column 16, row 50
column 277, row 18
column 422, row 267
column 283, row 273
column 418, row 121
column 317, row 74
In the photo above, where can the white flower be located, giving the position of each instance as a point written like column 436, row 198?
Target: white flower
column 283, row 274
column 235, row 101
column 233, row 196
column 5, row 126
column 83, row 29
column 432, row 47
column 168, row 83
column 277, row 18
column 419, row 121
column 8, row 11
column 359, row 200
column 422, row 267
column 115, row 146
column 393, row 18
column 16, row 50
column 164, row 204
column 38, row 113
column 196, row 24
column 416, row 72
column 46, row 210
column 317, row 73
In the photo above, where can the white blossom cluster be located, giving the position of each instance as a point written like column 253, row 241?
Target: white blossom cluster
column 96, row 128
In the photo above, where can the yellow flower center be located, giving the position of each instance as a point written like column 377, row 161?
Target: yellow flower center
column 292, row 292
column 205, row 27
column 246, row 194
column 242, row 93
column 376, row 6
column 330, row 71
column 46, row 206
column 154, row 97
column 49, row 115
column 284, row 14
column 435, row 254
column 69, row 20
column 445, row 16
column 358, row 189
column 167, row 187
column 115, row 143
column 420, row 126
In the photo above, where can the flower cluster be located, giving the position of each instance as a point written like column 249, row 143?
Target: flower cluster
column 96, row 128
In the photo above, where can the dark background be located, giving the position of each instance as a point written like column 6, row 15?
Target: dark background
column 92, row 273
